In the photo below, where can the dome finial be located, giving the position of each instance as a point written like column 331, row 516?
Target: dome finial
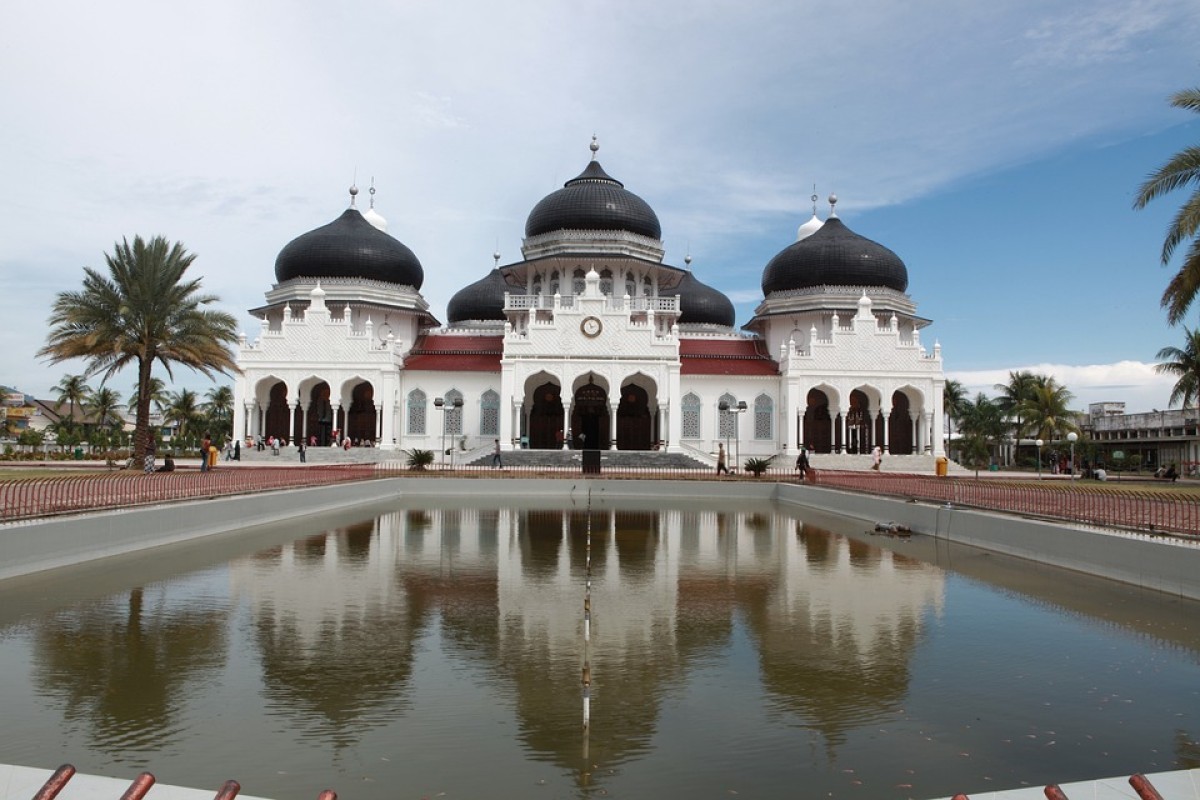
column 687, row 259
column 372, row 191
column 594, row 146
column 833, row 205
column 814, row 199
column 496, row 257
column 353, row 194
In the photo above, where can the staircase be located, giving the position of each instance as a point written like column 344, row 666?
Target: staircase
column 609, row 459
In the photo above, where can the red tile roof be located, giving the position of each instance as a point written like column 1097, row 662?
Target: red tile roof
column 725, row 357
column 436, row 353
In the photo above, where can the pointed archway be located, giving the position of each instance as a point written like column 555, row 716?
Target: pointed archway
column 360, row 420
column 858, row 424
column 277, row 421
column 900, row 426
column 319, row 423
column 546, row 417
column 635, row 428
column 589, row 417
column 818, row 426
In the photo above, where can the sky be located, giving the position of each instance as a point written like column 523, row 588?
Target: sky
column 996, row 148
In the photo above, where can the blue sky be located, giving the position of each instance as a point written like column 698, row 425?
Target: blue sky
column 996, row 149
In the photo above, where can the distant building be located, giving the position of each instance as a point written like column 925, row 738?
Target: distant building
column 592, row 340
column 1153, row 438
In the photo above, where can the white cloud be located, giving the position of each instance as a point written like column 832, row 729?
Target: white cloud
column 1134, row 383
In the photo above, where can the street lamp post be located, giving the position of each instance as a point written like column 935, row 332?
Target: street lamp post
column 443, row 406
column 1072, row 437
column 725, row 408
column 1039, row 444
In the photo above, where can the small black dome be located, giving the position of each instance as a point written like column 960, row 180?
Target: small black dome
column 834, row 255
column 700, row 303
column 481, row 300
column 349, row 247
column 593, row 201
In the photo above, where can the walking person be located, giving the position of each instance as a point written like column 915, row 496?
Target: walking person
column 300, row 450
column 496, row 455
column 876, row 458
column 802, row 462
column 204, row 445
column 721, row 460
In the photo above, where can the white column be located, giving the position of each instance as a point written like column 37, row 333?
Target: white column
column 929, row 433
column 612, row 426
column 887, row 419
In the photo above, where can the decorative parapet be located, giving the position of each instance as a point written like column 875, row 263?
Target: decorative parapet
column 593, row 242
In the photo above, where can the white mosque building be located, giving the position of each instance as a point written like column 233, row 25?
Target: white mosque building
column 591, row 340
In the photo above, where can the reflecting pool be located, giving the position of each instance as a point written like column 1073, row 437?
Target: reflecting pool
column 436, row 651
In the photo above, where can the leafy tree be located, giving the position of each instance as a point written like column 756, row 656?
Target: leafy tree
column 1182, row 170
column 1046, row 408
column 144, row 311
column 72, row 390
column 1185, row 364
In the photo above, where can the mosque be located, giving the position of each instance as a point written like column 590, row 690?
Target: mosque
column 591, row 340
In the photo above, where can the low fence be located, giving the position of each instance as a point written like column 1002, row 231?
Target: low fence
column 1154, row 511
column 41, row 497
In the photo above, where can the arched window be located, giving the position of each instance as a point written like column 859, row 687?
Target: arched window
column 764, row 417
column 454, row 416
column 630, row 285
column 691, row 416
column 727, row 420
column 416, row 412
column 606, row 281
column 578, row 281
column 489, row 414
column 554, row 282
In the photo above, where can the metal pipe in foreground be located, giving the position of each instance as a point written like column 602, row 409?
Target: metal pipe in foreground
column 137, row 790
column 55, row 783
column 1144, row 788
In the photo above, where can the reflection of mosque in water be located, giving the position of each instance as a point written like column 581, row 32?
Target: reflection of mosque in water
column 337, row 617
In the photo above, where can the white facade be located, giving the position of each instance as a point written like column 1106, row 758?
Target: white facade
column 591, row 341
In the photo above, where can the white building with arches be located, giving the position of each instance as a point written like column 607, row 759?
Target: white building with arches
column 591, row 340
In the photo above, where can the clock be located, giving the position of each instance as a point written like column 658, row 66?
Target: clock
column 591, row 327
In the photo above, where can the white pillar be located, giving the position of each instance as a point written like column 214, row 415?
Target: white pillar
column 887, row 444
column 612, row 426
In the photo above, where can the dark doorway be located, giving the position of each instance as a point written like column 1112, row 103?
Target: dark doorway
column 589, row 418
column 858, row 424
column 546, row 418
column 360, row 421
column 320, row 415
column 818, row 427
column 278, row 418
column 635, row 429
column 900, row 427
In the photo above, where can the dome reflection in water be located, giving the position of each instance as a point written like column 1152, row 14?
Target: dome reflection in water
column 732, row 649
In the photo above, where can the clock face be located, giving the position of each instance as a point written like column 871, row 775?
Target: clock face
column 591, row 326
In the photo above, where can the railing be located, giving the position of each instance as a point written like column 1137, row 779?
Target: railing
column 1149, row 510
column 39, row 497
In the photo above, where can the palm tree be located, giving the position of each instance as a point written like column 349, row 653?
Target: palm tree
column 1013, row 396
column 1184, row 363
column 183, row 409
column 219, row 410
column 144, row 311
column 1183, row 169
column 158, row 395
column 982, row 423
column 73, row 390
column 103, row 405
column 1047, row 409
column 954, row 395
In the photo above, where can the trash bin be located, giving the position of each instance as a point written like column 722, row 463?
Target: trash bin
column 79, row 454
column 591, row 462
column 943, row 466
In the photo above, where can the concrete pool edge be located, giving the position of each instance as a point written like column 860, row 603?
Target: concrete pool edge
column 1146, row 561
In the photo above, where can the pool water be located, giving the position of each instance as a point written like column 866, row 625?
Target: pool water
column 427, row 651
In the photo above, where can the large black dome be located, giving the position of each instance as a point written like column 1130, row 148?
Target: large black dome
column 349, row 247
column 481, row 300
column 834, row 255
column 593, row 201
column 700, row 303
